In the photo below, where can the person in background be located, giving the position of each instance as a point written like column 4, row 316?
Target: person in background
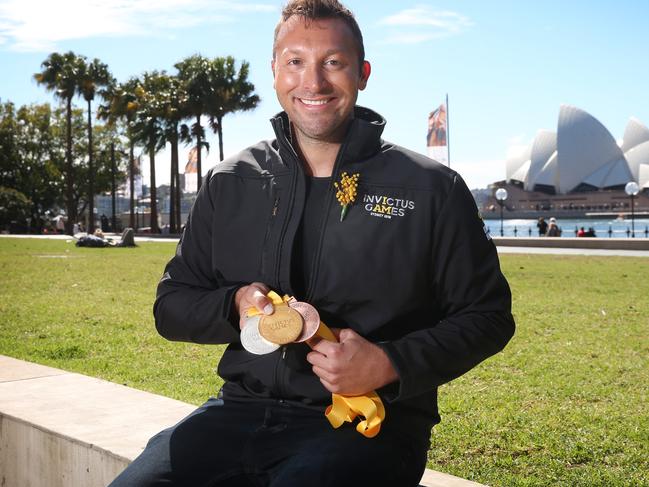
column 542, row 225
column 553, row 229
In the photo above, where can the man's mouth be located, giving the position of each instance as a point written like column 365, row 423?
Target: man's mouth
column 311, row 102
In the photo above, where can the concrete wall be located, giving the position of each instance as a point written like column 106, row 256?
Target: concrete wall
column 34, row 457
column 60, row 429
column 574, row 243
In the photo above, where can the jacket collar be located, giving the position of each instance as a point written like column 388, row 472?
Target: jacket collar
column 363, row 138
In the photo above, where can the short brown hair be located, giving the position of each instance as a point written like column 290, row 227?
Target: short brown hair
column 311, row 10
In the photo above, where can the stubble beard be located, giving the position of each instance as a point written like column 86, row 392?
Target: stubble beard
column 321, row 131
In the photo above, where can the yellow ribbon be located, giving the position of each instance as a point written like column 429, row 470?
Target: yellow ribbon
column 347, row 408
column 343, row 408
column 275, row 298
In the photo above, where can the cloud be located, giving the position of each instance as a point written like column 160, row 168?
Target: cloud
column 424, row 23
column 38, row 25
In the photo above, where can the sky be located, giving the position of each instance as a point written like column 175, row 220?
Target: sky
column 506, row 66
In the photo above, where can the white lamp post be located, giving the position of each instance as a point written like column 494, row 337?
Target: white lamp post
column 501, row 196
column 632, row 189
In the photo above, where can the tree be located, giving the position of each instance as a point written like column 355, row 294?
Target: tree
column 173, row 99
column 149, row 129
column 195, row 72
column 232, row 93
column 28, row 162
column 59, row 75
column 92, row 76
column 122, row 104
column 103, row 138
column 14, row 209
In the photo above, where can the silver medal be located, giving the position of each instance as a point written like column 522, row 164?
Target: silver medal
column 252, row 341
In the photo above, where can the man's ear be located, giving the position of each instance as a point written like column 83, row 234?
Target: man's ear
column 366, row 70
column 272, row 68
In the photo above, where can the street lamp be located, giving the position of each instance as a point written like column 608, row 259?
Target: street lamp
column 632, row 189
column 501, row 196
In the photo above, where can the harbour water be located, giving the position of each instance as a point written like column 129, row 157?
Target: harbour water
column 604, row 228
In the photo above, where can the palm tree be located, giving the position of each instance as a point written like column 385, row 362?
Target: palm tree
column 59, row 75
column 195, row 72
column 233, row 93
column 92, row 75
column 148, row 128
column 122, row 104
column 172, row 99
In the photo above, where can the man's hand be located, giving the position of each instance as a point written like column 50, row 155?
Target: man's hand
column 353, row 366
column 252, row 296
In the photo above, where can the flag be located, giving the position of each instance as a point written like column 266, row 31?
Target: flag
column 192, row 162
column 191, row 171
column 437, row 135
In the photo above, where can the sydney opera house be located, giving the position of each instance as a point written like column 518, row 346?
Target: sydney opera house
column 580, row 168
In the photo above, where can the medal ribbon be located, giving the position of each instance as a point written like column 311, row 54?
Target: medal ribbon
column 344, row 408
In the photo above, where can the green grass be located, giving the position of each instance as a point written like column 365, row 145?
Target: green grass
column 565, row 404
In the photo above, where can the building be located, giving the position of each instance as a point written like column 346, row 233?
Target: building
column 580, row 169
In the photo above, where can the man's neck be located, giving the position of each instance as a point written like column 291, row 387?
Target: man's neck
column 318, row 156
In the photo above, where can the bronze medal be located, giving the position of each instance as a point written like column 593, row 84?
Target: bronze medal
column 282, row 327
column 311, row 319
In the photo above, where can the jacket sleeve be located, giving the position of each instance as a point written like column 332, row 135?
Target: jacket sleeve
column 471, row 294
column 194, row 303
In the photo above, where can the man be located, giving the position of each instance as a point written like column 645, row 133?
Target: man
column 542, row 225
column 404, row 273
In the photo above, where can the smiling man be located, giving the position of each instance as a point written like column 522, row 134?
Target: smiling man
column 387, row 247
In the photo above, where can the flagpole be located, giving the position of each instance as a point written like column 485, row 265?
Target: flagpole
column 448, row 136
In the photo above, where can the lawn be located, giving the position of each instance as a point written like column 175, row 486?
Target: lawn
column 565, row 404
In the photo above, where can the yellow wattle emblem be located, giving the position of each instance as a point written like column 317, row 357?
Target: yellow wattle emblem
column 346, row 193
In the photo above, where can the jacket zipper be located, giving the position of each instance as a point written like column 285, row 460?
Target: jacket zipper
column 289, row 209
column 271, row 220
column 278, row 379
column 323, row 226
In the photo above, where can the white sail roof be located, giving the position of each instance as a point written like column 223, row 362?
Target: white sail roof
column 635, row 133
column 515, row 161
column 636, row 156
column 544, row 145
column 549, row 174
column 584, row 145
column 614, row 173
column 521, row 173
column 643, row 177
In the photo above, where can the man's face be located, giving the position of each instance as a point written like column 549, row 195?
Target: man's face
column 317, row 76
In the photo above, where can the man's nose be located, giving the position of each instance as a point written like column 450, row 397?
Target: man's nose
column 315, row 79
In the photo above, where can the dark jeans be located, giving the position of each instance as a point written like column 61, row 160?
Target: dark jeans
column 277, row 445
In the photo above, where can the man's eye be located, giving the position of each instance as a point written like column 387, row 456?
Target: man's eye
column 333, row 62
column 293, row 62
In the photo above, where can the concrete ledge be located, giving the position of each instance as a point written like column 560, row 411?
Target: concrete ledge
column 61, row 429
column 574, row 243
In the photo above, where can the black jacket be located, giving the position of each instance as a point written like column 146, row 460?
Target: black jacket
column 410, row 267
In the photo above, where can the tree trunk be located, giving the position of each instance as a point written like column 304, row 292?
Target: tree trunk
column 91, row 176
column 131, row 176
column 153, row 194
column 178, row 201
column 199, row 174
column 69, row 189
column 113, row 188
column 219, row 129
column 172, row 182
